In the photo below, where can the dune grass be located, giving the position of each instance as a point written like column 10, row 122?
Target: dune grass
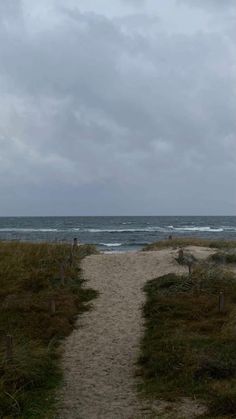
column 224, row 257
column 41, row 294
column 189, row 347
column 191, row 241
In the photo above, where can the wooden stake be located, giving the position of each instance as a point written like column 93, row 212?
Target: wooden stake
column 181, row 256
column 221, row 302
column 52, row 306
column 190, row 265
column 9, row 347
column 62, row 274
column 71, row 257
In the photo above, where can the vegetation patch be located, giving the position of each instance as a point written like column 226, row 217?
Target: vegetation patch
column 224, row 257
column 189, row 346
column 41, row 294
column 176, row 242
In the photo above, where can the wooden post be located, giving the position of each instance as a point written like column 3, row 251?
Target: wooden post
column 71, row 257
column 9, row 347
column 181, row 256
column 62, row 274
column 52, row 306
column 75, row 243
column 170, row 237
column 221, row 302
column 190, row 266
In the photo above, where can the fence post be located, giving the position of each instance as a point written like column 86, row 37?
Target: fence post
column 52, row 306
column 190, row 266
column 181, row 256
column 9, row 347
column 62, row 274
column 221, row 302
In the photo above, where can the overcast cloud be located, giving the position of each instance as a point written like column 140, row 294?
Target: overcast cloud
column 123, row 107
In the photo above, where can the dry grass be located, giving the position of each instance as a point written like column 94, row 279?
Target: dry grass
column 35, row 278
column 191, row 241
column 189, row 348
column 228, row 257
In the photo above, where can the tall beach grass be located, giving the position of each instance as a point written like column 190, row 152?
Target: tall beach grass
column 41, row 293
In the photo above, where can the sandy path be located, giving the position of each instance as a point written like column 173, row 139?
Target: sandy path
column 100, row 356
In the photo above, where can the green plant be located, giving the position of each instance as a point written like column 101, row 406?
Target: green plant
column 223, row 257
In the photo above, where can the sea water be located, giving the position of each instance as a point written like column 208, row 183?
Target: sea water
column 115, row 233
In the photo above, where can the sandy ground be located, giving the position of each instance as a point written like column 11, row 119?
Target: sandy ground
column 100, row 355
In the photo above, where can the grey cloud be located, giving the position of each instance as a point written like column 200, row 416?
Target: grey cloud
column 104, row 109
column 136, row 3
column 10, row 9
column 209, row 4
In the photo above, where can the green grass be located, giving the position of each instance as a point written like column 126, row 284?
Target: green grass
column 191, row 241
column 189, row 348
column 31, row 276
column 224, row 257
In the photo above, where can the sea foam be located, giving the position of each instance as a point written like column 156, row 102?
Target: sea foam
column 111, row 244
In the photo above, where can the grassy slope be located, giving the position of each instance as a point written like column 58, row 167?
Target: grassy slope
column 228, row 257
column 189, row 348
column 191, row 241
column 31, row 276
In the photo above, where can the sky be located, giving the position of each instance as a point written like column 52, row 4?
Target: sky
column 117, row 108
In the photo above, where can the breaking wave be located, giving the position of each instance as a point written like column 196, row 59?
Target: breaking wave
column 29, row 230
column 201, row 229
column 111, row 244
column 124, row 230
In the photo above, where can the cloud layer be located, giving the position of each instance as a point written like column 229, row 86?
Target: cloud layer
column 124, row 111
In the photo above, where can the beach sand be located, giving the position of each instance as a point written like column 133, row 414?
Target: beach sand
column 100, row 355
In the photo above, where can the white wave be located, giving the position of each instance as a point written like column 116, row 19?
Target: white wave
column 114, row 252
column 111, row 244
column 28, row 230
column 228, row 228
column 126, row 230
column 202, row 229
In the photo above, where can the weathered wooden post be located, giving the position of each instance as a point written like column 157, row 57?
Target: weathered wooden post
column 190, row 267
column 71, row 257
column 62, row 274
column 170, row 237
column 52, row 306
column 221, row 302
column 73, row 250
column 181, row 256
column 9, row 347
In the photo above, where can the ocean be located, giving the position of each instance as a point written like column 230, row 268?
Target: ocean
column 115, row 233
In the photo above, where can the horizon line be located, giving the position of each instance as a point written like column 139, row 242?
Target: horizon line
column 156, row 215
